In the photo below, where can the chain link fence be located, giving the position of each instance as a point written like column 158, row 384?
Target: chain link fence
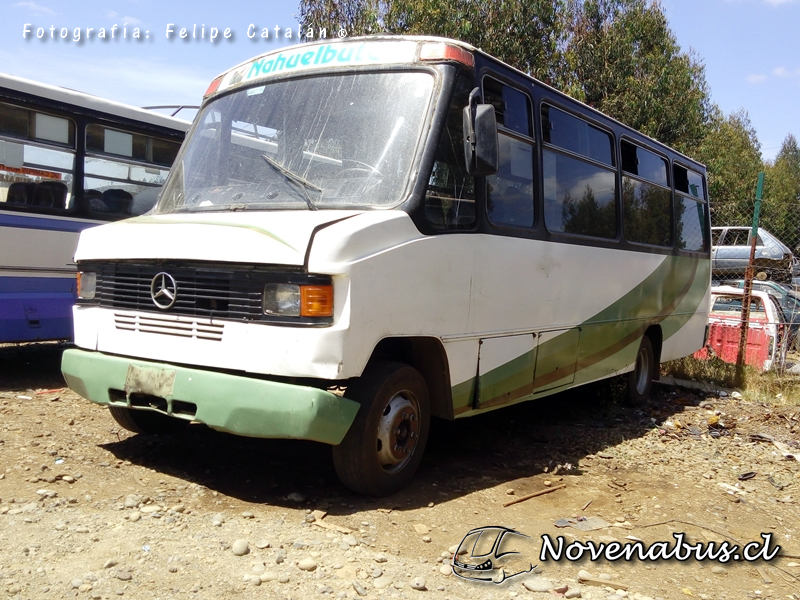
column 765, row 269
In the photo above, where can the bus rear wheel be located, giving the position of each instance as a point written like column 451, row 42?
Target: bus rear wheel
column 640, row 380
column 384, row 445
column 145, row 421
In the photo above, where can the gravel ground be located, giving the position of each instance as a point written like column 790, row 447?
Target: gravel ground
column 88, row 510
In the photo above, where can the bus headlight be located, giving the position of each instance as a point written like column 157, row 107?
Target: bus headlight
column 282, row 299
column 86, row 284
column 294, row 300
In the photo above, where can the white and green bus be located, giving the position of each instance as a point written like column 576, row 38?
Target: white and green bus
column 361, row 234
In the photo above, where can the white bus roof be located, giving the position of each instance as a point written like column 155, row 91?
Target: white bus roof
column 90, row 102
column 232, row 77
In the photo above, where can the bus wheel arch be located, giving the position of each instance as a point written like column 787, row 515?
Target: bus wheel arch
column 381, row 451
column 427, row 355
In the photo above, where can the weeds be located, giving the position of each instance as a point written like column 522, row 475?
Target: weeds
column 713, row 370
column 769, row 387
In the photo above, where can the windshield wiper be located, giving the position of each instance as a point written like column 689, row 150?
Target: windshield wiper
column 294, row 178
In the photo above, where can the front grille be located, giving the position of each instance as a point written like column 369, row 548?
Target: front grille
column 213, row 293
column 201, row 329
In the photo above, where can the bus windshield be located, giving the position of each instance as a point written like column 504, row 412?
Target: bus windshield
column 338, row 141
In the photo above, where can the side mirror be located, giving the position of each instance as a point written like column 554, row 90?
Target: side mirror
column 480, row 137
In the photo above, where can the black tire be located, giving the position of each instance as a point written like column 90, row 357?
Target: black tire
column 145, row 421
column 640, row 380
column 384, row 446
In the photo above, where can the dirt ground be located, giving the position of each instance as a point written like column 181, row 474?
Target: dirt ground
column 89, row 510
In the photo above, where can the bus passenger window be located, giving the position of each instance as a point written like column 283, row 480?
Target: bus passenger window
column 37, row 180
column 14, row 121
column 571, row 133
column 691, row 227
column 512, row 108
column 646, row 197
column 117, row 189
column 509, row 193
column 688, row 182
column 450, row 197
column 124, row 172
column 580, row 191
column 690, row 198
column 104, row 140
column 579, row 197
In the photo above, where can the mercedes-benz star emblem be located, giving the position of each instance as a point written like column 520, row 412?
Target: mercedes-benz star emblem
column 163, row 290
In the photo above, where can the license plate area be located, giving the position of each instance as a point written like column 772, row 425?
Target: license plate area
column 150, row 381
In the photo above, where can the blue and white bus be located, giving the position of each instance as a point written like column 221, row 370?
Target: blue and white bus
column 68, row 161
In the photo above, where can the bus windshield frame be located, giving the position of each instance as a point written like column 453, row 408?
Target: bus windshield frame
column 342, row 140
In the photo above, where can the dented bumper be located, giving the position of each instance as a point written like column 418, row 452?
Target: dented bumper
column 223, row 401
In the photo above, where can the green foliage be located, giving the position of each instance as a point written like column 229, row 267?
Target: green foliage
column 525, row 34
column 623, row 59
column 356, row 17
column 732, row 155
column 781, row 205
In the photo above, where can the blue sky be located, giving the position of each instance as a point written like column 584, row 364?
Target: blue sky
column 751, row 49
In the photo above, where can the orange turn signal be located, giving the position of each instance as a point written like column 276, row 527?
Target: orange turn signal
column 316, row 300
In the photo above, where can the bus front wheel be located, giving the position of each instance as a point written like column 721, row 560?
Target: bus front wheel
column 145, row 421
column 384, row 445
column 640, row 380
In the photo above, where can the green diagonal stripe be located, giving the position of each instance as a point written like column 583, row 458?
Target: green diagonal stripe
column 669, row 296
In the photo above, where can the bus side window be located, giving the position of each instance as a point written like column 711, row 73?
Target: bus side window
column 690, row 198
column 646, row 197
column 450, row 197
column 509, row 193
column 123, row 172
column 36, row 179
column 579, row 176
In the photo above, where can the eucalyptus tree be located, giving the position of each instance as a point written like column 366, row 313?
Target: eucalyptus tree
column 623, row 59
column 732, row 155
column 782, row 194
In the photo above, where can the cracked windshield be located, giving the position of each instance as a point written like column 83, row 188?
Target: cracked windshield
column 342, row 141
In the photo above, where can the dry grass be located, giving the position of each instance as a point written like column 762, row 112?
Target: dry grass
column 771, row 387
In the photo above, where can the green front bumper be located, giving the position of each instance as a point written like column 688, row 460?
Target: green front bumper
column 232, row 403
